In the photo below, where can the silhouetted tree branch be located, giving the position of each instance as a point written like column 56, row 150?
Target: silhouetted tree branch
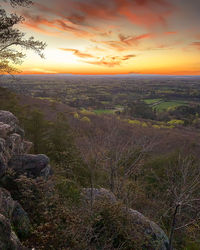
column 11, row 39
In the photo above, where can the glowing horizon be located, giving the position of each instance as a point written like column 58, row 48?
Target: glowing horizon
column 93, row 37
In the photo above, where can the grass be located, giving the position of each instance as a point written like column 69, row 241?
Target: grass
column 160, row 107
column 152, row 101
column 46, row 98
column 105, row 102
column 164, row 105
column 168, row 104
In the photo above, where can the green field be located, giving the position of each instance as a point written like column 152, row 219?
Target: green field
column 165, row 105
column 152, row 101
column 158, row 104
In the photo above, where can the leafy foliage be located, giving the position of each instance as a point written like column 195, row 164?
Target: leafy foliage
column 11, row 38
column 140, row 109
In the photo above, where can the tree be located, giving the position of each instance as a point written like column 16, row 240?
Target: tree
column 37, row 129
column 140, row 109
column 113, row 150
column 12, row 38
column 61, row 146
column 184, row 188
column 19, row 2
column 175, row 182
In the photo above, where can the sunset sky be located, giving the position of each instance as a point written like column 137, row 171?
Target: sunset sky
column 114, row 36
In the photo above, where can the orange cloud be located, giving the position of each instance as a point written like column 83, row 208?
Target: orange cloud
column 40, row 24
column 130, row 40
column 126, row 42
column 170, row 32
column 78, row 53
column 104, row 62
column 110, row 61
column 146, row 13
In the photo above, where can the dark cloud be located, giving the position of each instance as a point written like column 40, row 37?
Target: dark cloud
column 42, row 24
column 195, row 45
column 140, row 12
column 127, row 57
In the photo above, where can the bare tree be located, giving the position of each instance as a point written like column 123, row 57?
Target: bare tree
column 123, row 152
column 114, row 148
column 182, row 182
column 91, row 154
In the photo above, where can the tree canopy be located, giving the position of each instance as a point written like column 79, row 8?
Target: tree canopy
column 11, row 39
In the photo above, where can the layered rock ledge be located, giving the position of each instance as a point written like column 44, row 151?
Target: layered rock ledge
column 14, row 150
column 14, row 155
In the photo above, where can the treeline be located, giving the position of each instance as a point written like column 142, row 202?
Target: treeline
column 187, row 115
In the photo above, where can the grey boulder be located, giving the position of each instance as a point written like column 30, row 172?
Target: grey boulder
column 31, row 165
column 8, row 239
column 153, row 236
column 97, row 194
column 14, row 212
column 8, row 118
column 157, row 237
column 13, row 221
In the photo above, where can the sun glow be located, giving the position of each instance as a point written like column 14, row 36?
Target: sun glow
column 114, row 37
column 55, row 56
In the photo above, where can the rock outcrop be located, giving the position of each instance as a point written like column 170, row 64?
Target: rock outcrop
column 14, row 150
column 8, row 239
column 157, row 237
column 153, row 236
column 98, row 194
column 14, row 221
column 32, row 165
column 10, row 120
column 15, row 218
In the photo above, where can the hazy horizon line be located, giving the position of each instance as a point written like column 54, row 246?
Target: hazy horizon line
column 125, row 74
